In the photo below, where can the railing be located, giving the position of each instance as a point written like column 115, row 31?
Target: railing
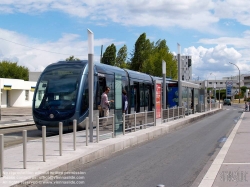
column 173, row 113
column 137, row 121
column 105, row 127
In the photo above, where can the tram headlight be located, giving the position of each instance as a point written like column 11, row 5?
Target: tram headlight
column 51, row 116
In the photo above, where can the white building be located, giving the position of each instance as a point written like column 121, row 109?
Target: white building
column 186, row 67
column 16, row 92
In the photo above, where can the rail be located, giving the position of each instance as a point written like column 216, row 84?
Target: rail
column 173, row 113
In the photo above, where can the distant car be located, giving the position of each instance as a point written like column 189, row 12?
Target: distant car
column 227, row 102
column 212, row 101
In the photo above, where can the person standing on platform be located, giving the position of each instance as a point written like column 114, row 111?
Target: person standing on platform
column 105, row 103
column 124, row 102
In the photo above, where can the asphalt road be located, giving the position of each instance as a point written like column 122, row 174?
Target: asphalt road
column 175, row 159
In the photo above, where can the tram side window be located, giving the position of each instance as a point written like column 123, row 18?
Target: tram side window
column 146, row 95
column 142, row 100
column 85, row 97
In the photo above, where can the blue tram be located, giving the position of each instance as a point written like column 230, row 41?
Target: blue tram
column 61, row 93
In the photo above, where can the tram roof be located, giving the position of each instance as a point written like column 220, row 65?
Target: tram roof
column 142, row 77
column 107, row 69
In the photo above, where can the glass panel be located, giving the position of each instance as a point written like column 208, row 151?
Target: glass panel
column 184, row 98
column 142, row 102
column 196, row 98
column 118, row 104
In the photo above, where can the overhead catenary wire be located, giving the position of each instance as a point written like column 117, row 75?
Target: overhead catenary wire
column 37, row 48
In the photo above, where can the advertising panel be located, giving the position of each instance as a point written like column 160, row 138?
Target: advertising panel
column 158, row 101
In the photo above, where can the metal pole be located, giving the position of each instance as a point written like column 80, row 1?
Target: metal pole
column 123, row 123
column 173, row 112
column 0, row 99
column 44, row 142
column 210, row 98
column 1, row 153
column 179, row 77
column 154, row 117
column 239, row 83
column 215, row 90
column 87, row 130
column 168, row 114
column 91, row 81
column 146, row 120
column 97, row 129
column 74, row 133
column 219, row 96
column 164, row 83
column 113, row 127
column 24, row 148
column 239, row 78
column 135, row 121
column 60, row 137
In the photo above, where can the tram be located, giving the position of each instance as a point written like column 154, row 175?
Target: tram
column 61, row 93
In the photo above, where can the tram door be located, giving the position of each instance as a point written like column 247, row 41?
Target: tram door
column 100, row 89
column 148, row 97
column 137, row 96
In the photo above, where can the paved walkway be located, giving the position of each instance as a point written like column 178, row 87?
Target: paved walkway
column 16, row 116
column 230, row 168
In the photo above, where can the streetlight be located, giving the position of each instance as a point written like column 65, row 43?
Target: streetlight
column 239, row 78
column 164, row 83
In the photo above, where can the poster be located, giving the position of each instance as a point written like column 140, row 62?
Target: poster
column 158, row 101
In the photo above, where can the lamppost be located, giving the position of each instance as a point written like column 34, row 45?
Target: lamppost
column 164, row 83
column 239, row 78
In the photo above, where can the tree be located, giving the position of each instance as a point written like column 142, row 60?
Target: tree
column 72, row 58
column 121, row 57
column 109, row 56
column 141, row 53
column 243, row 89
column 153, row 65
column 13, row 71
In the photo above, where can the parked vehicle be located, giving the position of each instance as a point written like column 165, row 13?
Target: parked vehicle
column 227, row 102
column 212, row 101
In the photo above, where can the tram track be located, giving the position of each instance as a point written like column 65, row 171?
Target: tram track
column 13, row 136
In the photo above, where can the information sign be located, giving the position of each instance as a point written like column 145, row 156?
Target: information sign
column 158, row 101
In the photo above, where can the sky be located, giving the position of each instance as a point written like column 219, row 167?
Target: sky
column 36, row 33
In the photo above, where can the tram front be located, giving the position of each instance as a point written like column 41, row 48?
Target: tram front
column 57, row 94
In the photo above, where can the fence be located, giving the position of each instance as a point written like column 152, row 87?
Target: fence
column 173, row 113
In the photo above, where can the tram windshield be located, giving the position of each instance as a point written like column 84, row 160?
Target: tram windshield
column 57, row 88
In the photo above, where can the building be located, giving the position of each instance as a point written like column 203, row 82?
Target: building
column 16, row 92
column 186, row 67
column 244, row 79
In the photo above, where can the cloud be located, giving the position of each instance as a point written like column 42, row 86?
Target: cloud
column 36, row 55
column 236, row 10
column 216, row 60
column 234, row 41
column 194, row 14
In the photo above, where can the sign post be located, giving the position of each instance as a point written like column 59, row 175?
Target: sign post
column 229, row 85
